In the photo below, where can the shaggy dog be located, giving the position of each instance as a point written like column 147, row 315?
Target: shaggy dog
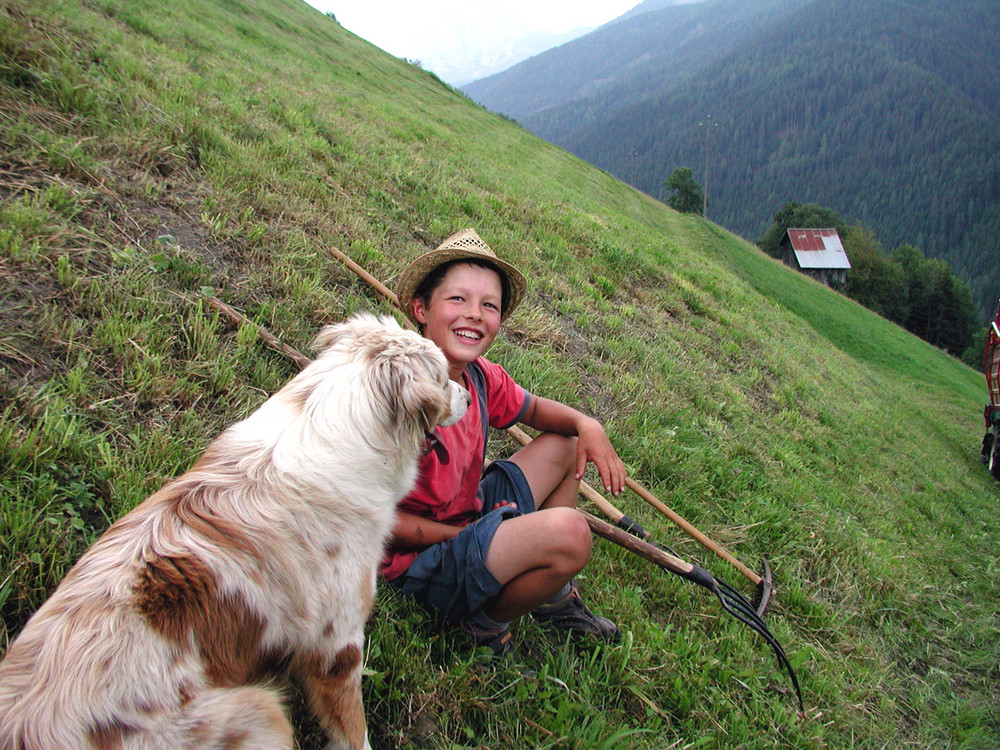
column 257, row 563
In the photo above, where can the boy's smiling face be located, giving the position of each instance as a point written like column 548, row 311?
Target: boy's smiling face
column 462, row 315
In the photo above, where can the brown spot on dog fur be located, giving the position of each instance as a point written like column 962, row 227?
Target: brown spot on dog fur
column 200, row 734
column 179, row 597
column 334, row 690
column 346, row 661
column 172, row 593
column 109, row 736
column 185, row 693
column 234, row 739
column 343, row 662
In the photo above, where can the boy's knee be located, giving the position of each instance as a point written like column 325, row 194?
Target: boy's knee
column 572, row 533
column 561, row 448
column 569, row 452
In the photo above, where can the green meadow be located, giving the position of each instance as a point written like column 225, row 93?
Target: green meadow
column 156, row 154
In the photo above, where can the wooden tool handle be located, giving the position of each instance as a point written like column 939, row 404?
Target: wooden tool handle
column 649, row 551
column 691, row 530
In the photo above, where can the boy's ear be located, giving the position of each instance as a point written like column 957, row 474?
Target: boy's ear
column 419, row 310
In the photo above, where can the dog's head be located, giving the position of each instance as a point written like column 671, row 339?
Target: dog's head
column 404, row 375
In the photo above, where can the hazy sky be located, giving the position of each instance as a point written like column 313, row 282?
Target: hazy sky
column 434, row 29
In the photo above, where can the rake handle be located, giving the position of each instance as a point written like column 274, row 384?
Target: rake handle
column 608, row 509
column 703, row 540
column 377, row 285
column 649, row 552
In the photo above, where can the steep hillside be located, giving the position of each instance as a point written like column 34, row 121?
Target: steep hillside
column 158, row 156
column 885, row 112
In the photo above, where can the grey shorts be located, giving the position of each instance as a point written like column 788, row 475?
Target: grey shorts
column 450, row 578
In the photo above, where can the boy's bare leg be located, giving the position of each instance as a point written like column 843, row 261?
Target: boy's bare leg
column 533, row 557
column 536, row 555
column 548, row 463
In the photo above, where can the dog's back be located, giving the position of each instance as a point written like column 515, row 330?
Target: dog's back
column 111, row 655
column 197, row 592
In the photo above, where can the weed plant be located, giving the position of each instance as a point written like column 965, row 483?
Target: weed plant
column 155, row 154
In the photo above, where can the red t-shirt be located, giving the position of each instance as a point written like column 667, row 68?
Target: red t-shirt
column 448, row 493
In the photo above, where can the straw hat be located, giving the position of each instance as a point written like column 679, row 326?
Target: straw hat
column 463, row 245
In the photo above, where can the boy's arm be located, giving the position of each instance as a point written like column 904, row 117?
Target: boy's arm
column 413, row 532
column 593, row 444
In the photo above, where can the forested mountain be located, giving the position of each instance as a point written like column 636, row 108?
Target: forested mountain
column 886, row 111
column 624, row 61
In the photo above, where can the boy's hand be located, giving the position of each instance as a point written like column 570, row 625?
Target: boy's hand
column 593, row 445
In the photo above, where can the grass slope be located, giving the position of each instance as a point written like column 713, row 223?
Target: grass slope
column 153, row 152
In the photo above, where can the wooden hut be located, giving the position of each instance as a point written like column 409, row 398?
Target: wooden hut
column 816, row 252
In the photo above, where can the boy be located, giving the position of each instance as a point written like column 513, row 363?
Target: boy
column 483, row 549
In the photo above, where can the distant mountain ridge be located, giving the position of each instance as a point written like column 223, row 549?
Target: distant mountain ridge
column 886, row 111
column 657, row 41
column 466, row 64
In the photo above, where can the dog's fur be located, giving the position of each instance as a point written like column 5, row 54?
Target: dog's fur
column 258, row 562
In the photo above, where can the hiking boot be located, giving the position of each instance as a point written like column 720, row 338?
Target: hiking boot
column 500, row 642
column 570, row 613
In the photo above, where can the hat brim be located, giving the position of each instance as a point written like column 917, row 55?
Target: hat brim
column 418, row 270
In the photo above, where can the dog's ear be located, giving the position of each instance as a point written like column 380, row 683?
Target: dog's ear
column 411, row 382
column 431, row 406
column 420, row 398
